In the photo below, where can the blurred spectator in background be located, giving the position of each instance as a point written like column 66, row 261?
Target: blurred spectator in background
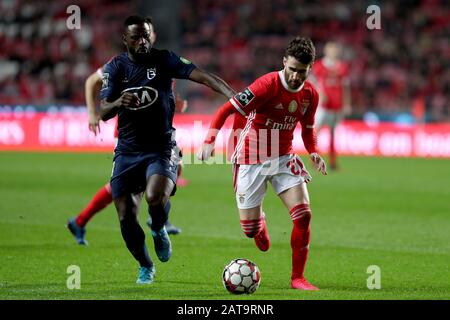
column 42, row 63
column 390, row 68
column 331, row 76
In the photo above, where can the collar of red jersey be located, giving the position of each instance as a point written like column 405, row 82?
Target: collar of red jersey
column 285, row 85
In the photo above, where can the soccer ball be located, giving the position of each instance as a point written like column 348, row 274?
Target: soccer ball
column 241, row 276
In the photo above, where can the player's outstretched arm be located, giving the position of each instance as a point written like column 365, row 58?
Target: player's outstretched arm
column 309, row 138
column 92, row 86
column 110, row 109
column 212, row 81
column 219, row 119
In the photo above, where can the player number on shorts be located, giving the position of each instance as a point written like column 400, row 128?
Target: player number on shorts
column 296, row 166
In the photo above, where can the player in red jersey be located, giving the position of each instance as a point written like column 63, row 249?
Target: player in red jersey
column 273, row 105
column 332, row 78
column 103, row 197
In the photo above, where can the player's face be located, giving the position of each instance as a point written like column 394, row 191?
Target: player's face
column 295, row 72
column 139, row 38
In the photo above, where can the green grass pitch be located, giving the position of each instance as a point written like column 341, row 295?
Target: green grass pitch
column 393, row 213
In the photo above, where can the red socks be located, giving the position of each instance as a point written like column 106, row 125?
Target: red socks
column 301, row 217
column 100, row 200
column 251, row 227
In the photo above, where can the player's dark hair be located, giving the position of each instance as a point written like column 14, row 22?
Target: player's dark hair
column 137, row 19
column 302, row 49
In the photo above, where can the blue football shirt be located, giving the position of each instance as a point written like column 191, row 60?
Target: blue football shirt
column 148, row 127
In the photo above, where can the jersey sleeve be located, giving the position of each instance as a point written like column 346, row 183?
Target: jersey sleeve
column 218, row 120
column 110, row 90
column 252, row 97
column 179, row 67
column 308, row 131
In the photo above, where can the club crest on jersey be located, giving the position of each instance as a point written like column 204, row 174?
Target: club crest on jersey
column 151, row 73
column 292, row 106
column 147, row 96
column 305, row 105
column 244, row 97
column 241, row 197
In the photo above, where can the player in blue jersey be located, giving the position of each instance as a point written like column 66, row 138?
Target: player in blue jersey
column 137, row 85
column 103, row 197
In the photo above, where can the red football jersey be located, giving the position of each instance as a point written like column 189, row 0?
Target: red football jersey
column 273, row 111
column 239, row 122
column 331, row 80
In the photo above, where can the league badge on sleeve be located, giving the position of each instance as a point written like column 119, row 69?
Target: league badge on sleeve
column 105, row 80
column 244, row 97
column 185, row 61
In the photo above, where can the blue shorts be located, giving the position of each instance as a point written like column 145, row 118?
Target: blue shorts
column 131, row 171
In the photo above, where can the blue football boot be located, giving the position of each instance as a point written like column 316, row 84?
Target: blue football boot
column 77, row 231
column 163, row 246
column 146, row 275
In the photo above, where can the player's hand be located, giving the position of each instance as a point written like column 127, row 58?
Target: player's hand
column 319, row 163
column 94, row 123
column 305, row 175
column 128, row 100
column 206, row 152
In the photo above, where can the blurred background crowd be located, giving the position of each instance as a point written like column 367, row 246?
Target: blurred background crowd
column 43, row 63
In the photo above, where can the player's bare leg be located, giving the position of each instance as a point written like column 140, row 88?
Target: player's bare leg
column 170, row 228
column 181, row 181
column 296, row 199
column 253, row 223
column 128, row 209
column 157, row 195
